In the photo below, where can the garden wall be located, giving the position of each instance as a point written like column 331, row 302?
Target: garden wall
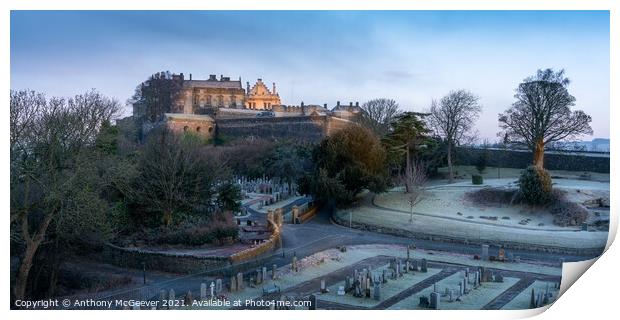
column 520, row 159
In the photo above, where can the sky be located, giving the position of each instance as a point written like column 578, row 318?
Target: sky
column 321, row 57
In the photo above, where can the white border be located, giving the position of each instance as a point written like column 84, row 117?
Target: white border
column 593, row 296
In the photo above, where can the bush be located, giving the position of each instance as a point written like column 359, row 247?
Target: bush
column 535, row 186
column 566, row 213
column 492, row 196
column 476, row 179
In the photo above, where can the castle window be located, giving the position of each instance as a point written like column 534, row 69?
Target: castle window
column 197, row 129
column 185, row 128
column 210, row 129
column 208, row 100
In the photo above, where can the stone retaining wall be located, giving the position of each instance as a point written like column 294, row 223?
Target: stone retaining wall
column 442, row 238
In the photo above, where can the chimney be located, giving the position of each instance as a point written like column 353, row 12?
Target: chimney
column 212, row 77
column 325, row 105
column 274, row 88
column 357, row 104
column 302, row 104
column 247, row 84
column 181, row 75
column 350, row 104
column 337, row 103
column 190, row 76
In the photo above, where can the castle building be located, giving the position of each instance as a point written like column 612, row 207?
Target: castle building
column 260, row 98
column 205, row 96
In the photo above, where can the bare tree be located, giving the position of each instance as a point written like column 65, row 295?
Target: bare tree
column 414, row 180
column 453, row 118
column 48, row 175
column 542, row 114
column 378, row 114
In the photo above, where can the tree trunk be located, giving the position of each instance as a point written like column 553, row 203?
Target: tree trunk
column 24, row 269
column 451, row 173
column 407, row 169
column 539, row 153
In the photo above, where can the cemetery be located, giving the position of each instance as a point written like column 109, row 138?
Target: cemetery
column 384, row 277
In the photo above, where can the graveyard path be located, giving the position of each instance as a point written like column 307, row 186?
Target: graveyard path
column 510, row 293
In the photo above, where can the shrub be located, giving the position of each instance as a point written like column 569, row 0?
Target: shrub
column 535, row 186
column 476, row 179
column 481, row 162
column 492, row 196
column 566, row 213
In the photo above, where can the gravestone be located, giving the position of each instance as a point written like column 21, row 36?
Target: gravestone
column 407, row 265
column 264, row 274
column 341, row 291
column 218, row 286
column 323, row 287
column 171, row 297
column 240, row 284
column 212, row 290
column 485, row 252
column 384, row 276
column 294, row 264
column 499, row 277
column 451, row 295
column 203, row 291
column 259, row 276
column 274, row 269
column 532, row 300
column 347, row 283
column 312, row 302
column 423, row 266
column 414, row 265
column 377, row 291
column 435, row 300
column 163, row 296
column 424, row 302
column 233, row 284
column 188, row 298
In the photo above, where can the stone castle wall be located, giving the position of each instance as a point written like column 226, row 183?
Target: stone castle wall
column 301, row 128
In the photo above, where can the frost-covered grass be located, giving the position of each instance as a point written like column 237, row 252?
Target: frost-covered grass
column 571, row 238
column 522, row 301
column 388, row 290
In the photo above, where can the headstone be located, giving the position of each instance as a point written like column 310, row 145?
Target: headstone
column 408, row 253
column 451, row 295
column 171, row 297
column 424, row 302
column 377, row 291
column 435, row 287
column 423, row 266
column 367, row 288
column 240, row 284
column 203, row 291
column 435, row 300
column 414, row 265
column 461, row 291
column 312, row 302
column 218, row 286
column 163, row 295
column 341, row 291
column 485, row 252
column 384, row 276
column 532, row 300
column 212, row 290
column 323, row 287
column 294, row 264
column 347, row 283
column 188, row 298
column 274, row 269
column 499, row 277
column 407, row 265
column 264, row 274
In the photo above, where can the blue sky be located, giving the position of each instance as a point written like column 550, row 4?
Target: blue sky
column 321, row 56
